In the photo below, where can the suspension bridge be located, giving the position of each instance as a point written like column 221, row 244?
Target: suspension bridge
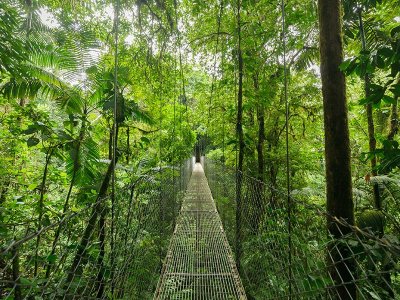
column 177, row 235
column 199, row 262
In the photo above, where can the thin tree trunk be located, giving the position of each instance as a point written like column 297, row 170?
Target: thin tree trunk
column 370, row 117
column 128, row 145
column 110, row 144
column 372, row 147
column 80, row 258
column 394, row 119
column 71, row 185
column 41, row 205
column 273, row 137
column 261, row 130
column 259, row 209
column 239, row 129
column 114, row 217
column 100, row 260
column 337, row 149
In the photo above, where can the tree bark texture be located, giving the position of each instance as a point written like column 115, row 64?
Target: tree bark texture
column 337, row 148
column 239, row 129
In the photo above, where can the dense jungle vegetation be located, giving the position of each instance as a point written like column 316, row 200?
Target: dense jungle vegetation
column 86, row 86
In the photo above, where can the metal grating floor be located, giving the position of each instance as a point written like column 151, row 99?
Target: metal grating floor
column 199, row 264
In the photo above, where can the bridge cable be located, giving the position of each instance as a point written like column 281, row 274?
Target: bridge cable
column 184, row 99
column 288, row 184
column 235, row 90
column 221, row 7
column 202, row 142
column 182, row 72
column 161, row 208
column 114, row 142
column 175, row 210
column 223, row 106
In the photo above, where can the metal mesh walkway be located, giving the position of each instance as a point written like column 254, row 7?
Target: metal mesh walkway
column 199, row 263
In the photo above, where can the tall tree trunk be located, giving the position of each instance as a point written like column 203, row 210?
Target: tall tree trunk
column 259, row 207
column 273, row 138
column 337, row 148
column 370, row 117
column 239, row 129
column 261, row 130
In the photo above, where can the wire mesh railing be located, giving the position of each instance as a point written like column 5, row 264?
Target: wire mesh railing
column 74, row 255
column 305, row 261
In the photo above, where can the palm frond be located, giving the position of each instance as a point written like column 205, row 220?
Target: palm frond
column 134, row 112
column 11, row 44
column 83, row 160
column 306, row 58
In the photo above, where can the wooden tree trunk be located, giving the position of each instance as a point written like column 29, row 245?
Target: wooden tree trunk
column 128, row 145
column 337, row 148
column 259, row 203
column 372, row 148
column 370, row 117
column 239, row 129
column 80, row 258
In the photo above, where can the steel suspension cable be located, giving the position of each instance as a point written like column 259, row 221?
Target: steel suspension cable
column 114, row 142
column 161, row 210
column 183, row 87
column 289, row 199
column 175, row 95
column 221, row 7
column 223, row 107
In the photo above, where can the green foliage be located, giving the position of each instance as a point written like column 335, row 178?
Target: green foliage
column 177, row 79
column 373, row 220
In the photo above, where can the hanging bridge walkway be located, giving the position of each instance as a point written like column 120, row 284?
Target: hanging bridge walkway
column 199, row 263
column 171, row 238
